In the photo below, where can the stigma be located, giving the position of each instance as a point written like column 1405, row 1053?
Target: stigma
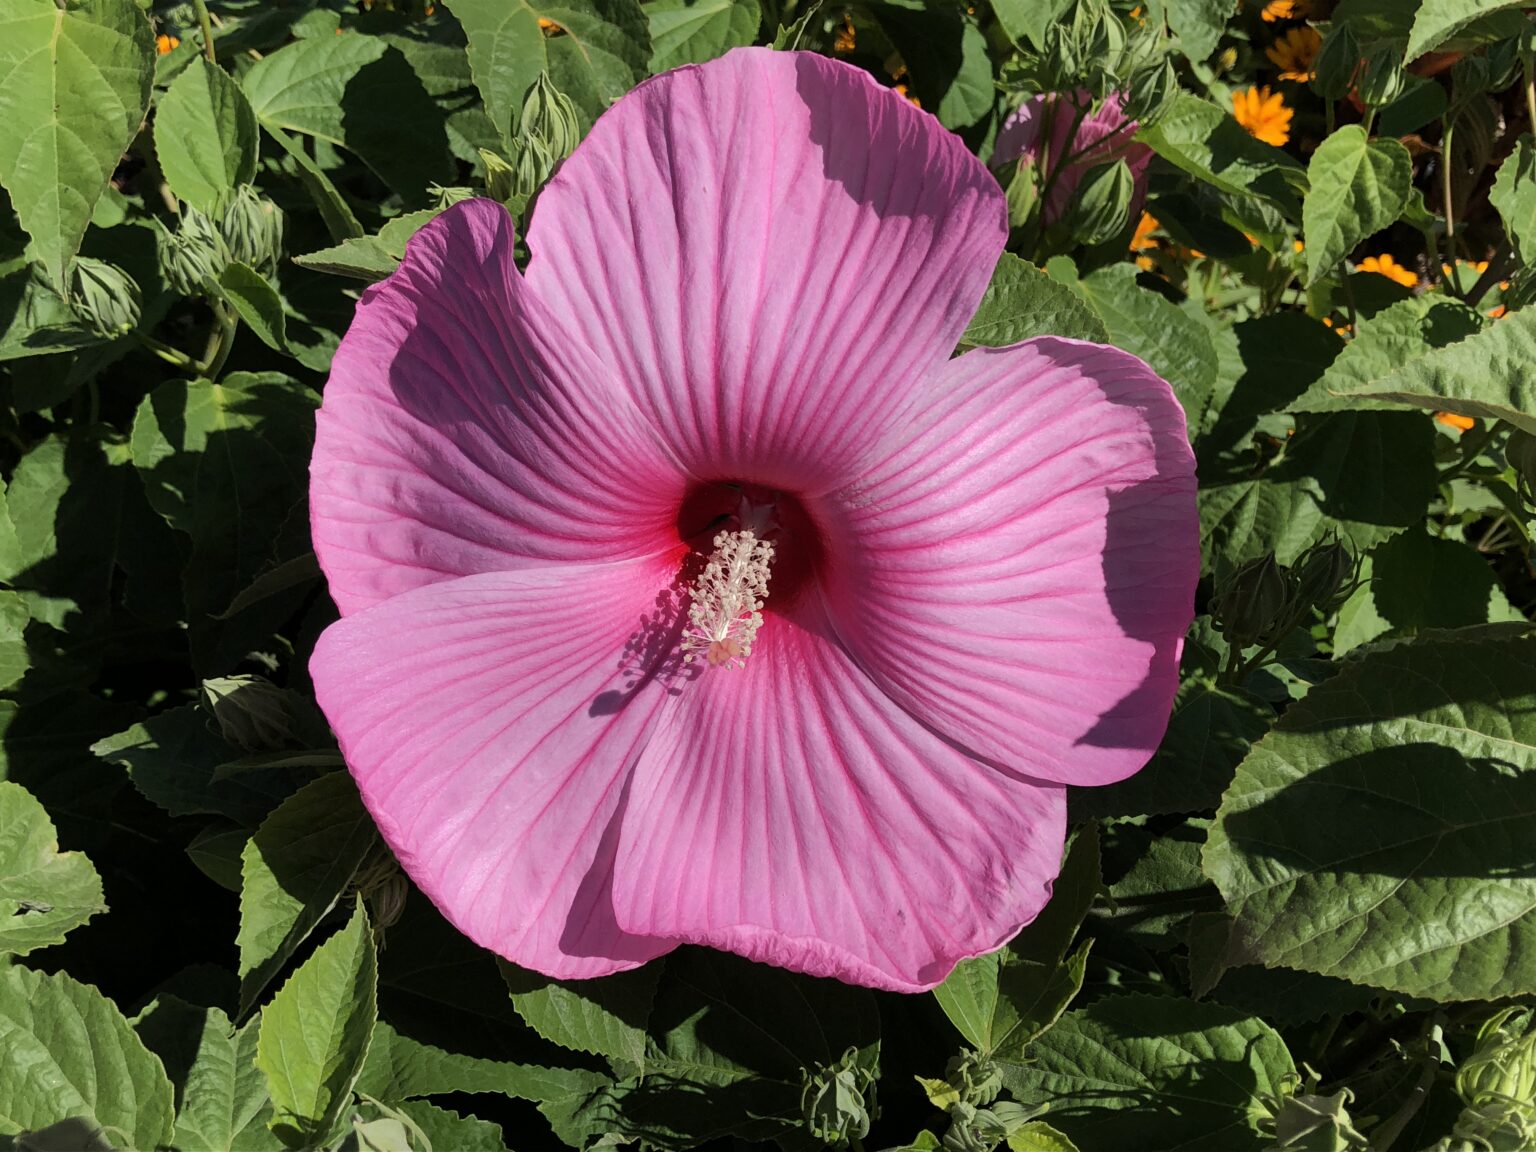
column 727, row 608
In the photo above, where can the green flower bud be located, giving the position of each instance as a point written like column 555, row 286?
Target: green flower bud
column 1021, row 188
column 550, row 118
column 836, row 1100
column 447, row 197
column 1502, row 1067
column 1381, row 78
column 252, row 228
column 1102, row 203
column 1337, row 62
column 1493, row 1127
column 1307, row 1123
column 976, row 1078
column 1325, row 576
column 1151, row 91
column 533, row 166
column 103, row 297
column 500, row 177
column 1253, row 601
column 383, row 1135
column 192, row 255
column 253, row 714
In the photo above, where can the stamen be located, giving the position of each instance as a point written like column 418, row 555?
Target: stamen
column 728, row 596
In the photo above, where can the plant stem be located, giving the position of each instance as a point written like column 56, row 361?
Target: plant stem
column 1471, row 448
column 1448, row 129
column 1530, row 97
column 220, row 341
column 165, row 351
column 1498, row 268
column 206, row 27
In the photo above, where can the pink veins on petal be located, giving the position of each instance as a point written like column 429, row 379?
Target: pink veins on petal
column 691, row 592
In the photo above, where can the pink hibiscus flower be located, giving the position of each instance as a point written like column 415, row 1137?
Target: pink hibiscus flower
column 1040, row 130
column 691, row 592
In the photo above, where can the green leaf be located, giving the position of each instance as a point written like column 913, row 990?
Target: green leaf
column 221, row 1095
column 594, row 51
column 315, row 1032
column 227, row 464
column 693, row 31
column 70, row 1054
column 1022, row 302
column 1383, row 831
column 399, row 1068
column 1038, row 1136
column 1148, row 325
column 1438, row 20
column 1152, row 903
column 44, row 893
column 205, row 137
column 1003, row 1000
column 1156, row 1073
column 1486, row 376
column 606, row 1017
column 1514, row 195
column 294, row 870
column 450, row 1132
column 369, row 257
column 14, row 658
column 37, row 320
column 74, row 84
column 361, row 94
column 1199, row 24
column 1029, row 20
column 1212, row 146
column 1359, row 187
column 173, row 758
column 252, row 296
column 337, row 214
column 1366, row 475
column 1415, row 582
column 946, row 53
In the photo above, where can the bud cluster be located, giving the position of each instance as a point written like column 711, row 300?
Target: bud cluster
column 1262, row 600
column 546, row 133
column 837, row 1100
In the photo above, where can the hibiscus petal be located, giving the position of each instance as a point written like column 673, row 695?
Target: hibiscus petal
column 771, row 250
column 1018, row 567
column 492, row 723
column 791, row 812
column 463, row 431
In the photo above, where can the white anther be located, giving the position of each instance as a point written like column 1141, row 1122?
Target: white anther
column 728, row 596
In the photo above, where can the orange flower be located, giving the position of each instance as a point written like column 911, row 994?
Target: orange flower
column 1264, row 114
column 1384, row 265
column 549, row 27
column 164, row 44
column 1451, row 420
column 1142, row 240
column 1295, row 53
column 1277, row 10
column 845, row 41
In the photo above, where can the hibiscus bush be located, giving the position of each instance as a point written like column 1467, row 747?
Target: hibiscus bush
column 921, row 574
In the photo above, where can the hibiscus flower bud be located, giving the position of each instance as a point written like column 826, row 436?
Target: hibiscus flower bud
column 103, row 297
column 252, row 228
column 550, row 118
column 1103, row 202
column 1064, row 138
column 1311, row 1123
column 194, row 254
column 1502, row 1067
column 1253, row 601
column 500, row 177
column 1325, row 576
column 253, row 714
column 1337, row 61
column 974, row 1129
column 833, row 1101
column 976, row 1078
